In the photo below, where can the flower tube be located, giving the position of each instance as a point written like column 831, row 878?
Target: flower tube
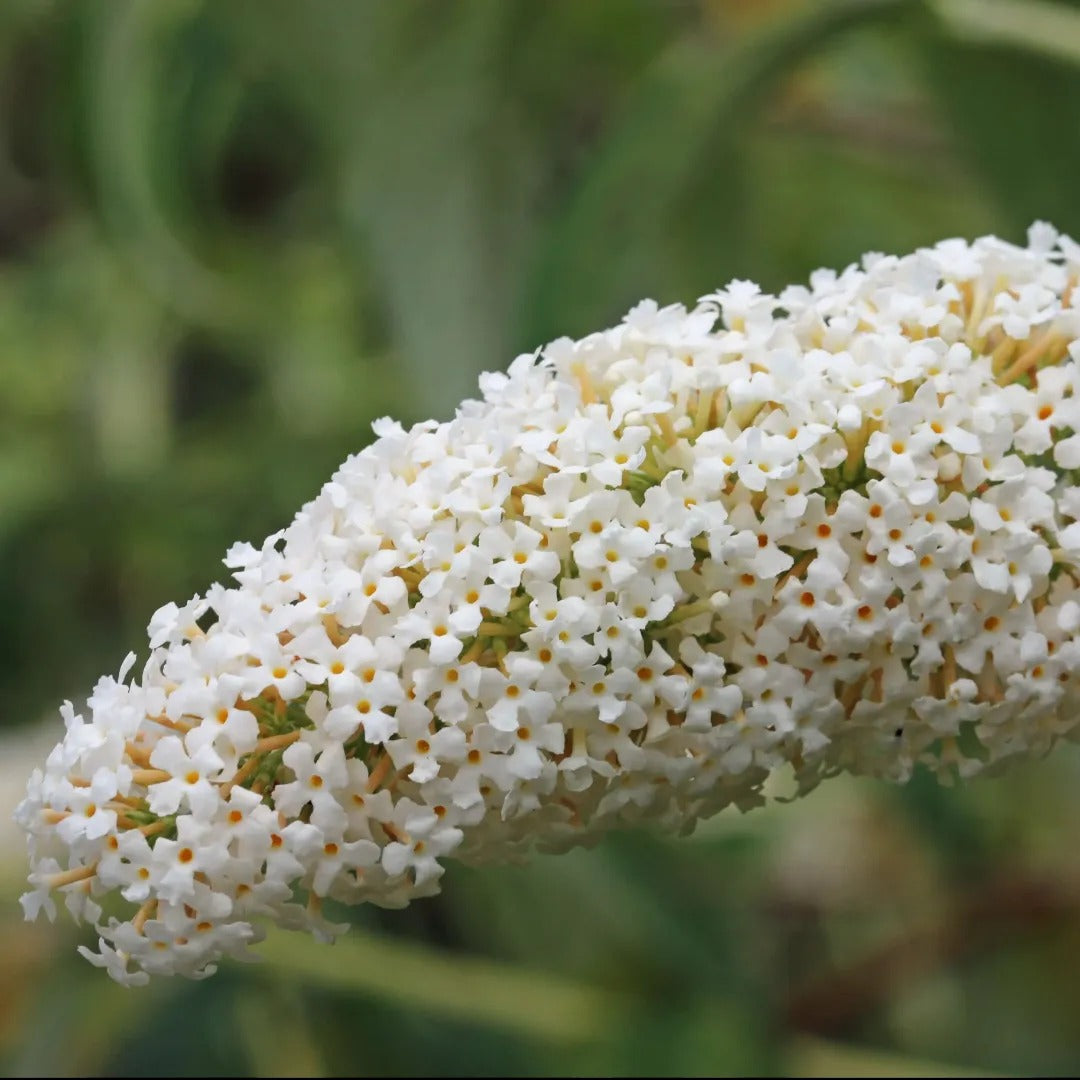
column 836, row 529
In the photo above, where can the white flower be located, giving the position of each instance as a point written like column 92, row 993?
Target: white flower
column 422, row 840
column 320, row 775
column 190, row 778
column 837, row 529
column 115, row 962
column 199, row 848
column 420, row 753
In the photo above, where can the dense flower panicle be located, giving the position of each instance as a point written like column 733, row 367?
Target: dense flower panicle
column 834, row 529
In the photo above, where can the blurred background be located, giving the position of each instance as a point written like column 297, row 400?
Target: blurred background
column 233, row 233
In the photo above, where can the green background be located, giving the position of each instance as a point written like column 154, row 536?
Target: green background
column 233, row 233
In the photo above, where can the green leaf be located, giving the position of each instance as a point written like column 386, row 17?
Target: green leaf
column 530, row 1003
column 819, row 1057
column 136, row 162
column 1013, row 103
column 682, row 125
column 436, row 189
column 1038, row 25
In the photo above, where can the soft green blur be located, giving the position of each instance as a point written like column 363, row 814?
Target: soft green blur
column 232, row 233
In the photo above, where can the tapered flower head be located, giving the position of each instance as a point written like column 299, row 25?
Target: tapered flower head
column 834, row 529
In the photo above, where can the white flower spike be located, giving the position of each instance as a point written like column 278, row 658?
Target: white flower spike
column 837, row 529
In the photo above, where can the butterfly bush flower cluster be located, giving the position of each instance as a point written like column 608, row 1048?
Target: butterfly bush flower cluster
column 836, row 529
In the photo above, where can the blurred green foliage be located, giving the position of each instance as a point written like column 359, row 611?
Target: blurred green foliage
column 233, row 233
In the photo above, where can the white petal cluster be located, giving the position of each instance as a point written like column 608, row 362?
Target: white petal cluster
column 834, row 529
